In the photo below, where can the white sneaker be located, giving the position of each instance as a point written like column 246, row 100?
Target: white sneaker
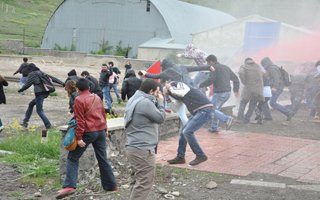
column 1, row 128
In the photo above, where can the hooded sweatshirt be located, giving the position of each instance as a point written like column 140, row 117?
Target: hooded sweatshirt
column 142, row 118
column 193, row 98
column 273, row 73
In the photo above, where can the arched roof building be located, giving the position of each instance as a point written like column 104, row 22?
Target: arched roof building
column 85, row 24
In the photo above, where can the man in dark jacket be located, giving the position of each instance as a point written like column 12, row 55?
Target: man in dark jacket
column 23, row 69
column 93, row 83
column 34, row 78
column 130, row 85
column 105, row 73
column 221, row 77
column 114, row 85
column 201, row 109
column 72, row 75
column 277, row 86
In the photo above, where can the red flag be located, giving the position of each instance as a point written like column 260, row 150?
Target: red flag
column 155, row 69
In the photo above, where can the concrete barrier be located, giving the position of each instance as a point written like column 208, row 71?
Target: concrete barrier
column 115, row 146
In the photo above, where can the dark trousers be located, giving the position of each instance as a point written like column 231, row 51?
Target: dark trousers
column 38, row 102
column 98, row 141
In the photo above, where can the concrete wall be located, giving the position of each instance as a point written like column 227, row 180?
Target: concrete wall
column 115, row 149
column 15, row 46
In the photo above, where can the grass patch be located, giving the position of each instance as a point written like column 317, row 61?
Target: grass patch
column 38, row 162
column 30, row 144
column 15, row 194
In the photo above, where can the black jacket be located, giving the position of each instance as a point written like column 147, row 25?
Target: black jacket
column 71, row 101
column 2, row 95
column 104, row 77
column 94, row 85
column 178, row 73
column 193, row 98
column 35, row 80
column 23, row 69
column 221, row 78
column 130, row 85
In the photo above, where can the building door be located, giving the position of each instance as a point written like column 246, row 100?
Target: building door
column 259, row 35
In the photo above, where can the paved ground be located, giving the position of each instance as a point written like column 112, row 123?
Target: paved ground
column 241, row 154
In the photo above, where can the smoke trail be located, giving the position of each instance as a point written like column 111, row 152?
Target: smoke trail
column 299, row 50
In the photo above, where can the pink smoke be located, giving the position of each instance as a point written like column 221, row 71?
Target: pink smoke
column 300, row 50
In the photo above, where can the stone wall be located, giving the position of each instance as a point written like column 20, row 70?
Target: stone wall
column 88, row 167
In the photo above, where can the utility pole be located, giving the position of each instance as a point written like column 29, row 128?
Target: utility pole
column 23, row 39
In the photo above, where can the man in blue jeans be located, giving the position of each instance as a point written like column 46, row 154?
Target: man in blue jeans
column 104, row 84
column 91, row 129
column 220, row 77
column 34, row 78
column 201, row 109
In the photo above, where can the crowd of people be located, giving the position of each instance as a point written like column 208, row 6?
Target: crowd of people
column 90, row 100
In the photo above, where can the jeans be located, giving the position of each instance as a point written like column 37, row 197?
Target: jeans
column 0, row 123
column 218, row 99
column 98, row 141
column 182, row 114
column 107, row 97
column 265, row 109
column 199, row 78
column 252, row 106
column 115, row 88
column 296, row 97
column 38, row 102
column 187, row 134
column 275, row 105
column 311, row 92
column 23, row 81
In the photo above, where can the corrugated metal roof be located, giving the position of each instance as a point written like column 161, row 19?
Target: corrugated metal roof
column 183, row 18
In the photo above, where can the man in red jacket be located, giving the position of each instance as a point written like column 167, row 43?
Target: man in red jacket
column 91, row 129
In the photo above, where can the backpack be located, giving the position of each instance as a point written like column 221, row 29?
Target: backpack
column 286, row 77
column 47, row 83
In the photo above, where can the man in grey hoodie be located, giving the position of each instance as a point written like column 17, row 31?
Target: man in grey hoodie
column 144, row 112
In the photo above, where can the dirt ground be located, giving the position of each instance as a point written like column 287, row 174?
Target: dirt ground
column 190, row 184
